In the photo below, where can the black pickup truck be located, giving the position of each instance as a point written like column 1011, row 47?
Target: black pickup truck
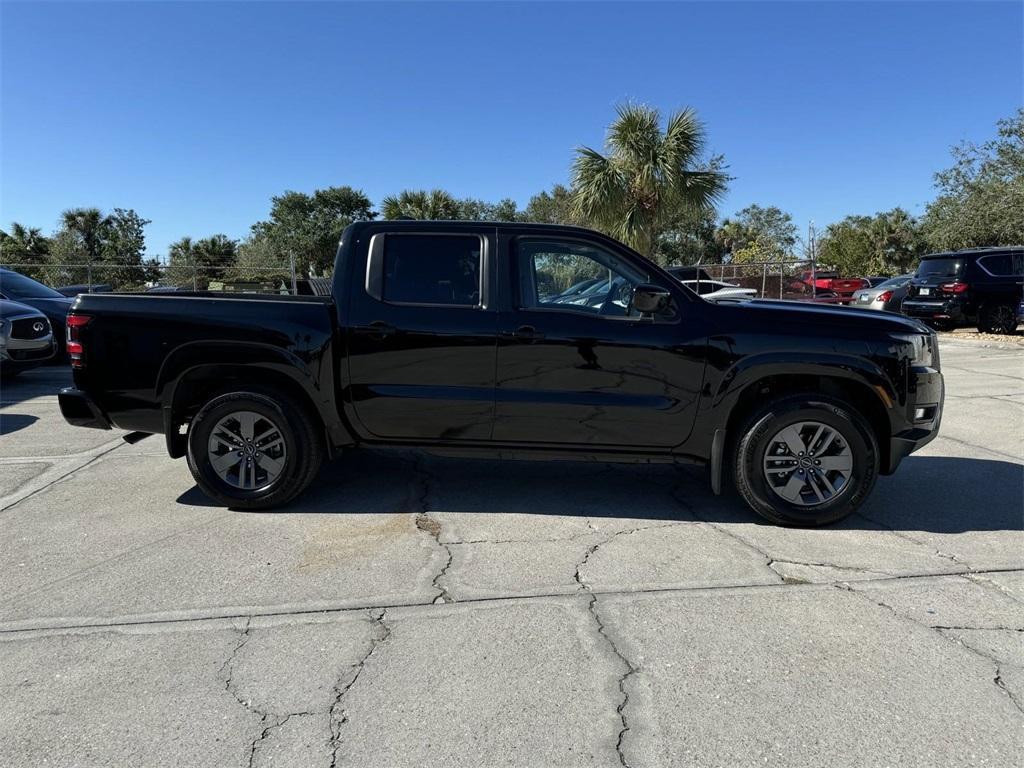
column 528, row 341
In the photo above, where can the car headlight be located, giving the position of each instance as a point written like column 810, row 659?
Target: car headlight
column 922, row 348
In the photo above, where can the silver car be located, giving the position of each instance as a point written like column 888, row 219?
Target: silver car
column 888, row 295
column 26, row 338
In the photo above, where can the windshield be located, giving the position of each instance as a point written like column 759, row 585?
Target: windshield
column 894, row 282
column 15, row 286
column 941, row 267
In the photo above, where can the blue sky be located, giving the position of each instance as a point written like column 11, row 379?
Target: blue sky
column 195, row 114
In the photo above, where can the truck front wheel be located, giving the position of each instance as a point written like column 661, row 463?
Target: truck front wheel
column 805, row 460
column 249, row 450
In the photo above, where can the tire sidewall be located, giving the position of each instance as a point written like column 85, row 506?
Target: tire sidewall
column 198, row 447
column 755, row 441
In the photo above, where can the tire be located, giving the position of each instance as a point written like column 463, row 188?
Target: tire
column 997, row 317
column 853, row 442
column 293, row 449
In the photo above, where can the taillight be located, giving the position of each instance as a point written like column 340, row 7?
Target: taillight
column 956, row 287
column 884, row 296
column 74, row 347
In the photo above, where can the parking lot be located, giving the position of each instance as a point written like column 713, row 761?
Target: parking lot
column 412, row 610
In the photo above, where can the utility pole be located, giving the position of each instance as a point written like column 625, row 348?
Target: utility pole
column 814, row 261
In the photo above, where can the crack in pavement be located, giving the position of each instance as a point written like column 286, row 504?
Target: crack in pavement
column 58, row 468
column 808, row 564
column 631, row 668
column 675, row 492
column 997, row 679
column 269, row 721
column 338, row 716
column 430, row 525
column 907, row 537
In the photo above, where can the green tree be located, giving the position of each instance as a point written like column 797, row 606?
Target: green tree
column 437, row 204
column 258, row 260
column 25, row 246
column 756, row 232
column 554, row 207
column 888, row 243
column 200, row 261
column 762, row 248
column 690, row 239
column 471, row 209
column 647, row 176
column 310, row 226
column 982, row 196
column 113, row 245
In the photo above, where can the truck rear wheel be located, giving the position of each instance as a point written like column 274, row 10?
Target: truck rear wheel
column 805, row 460
column 249, row 450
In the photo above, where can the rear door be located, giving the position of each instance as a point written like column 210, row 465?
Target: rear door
column 422, row 333
column 586, row 369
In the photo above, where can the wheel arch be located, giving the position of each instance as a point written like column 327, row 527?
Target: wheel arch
column 862, row 386
column 192, row 375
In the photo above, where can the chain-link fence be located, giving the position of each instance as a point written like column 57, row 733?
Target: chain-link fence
column 770, row 279
column 72, row 279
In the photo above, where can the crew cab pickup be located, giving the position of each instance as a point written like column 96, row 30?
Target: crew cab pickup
column 844, row 287
column 522, row 340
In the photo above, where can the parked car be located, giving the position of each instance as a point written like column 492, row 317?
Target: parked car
column 25, row 290
column 831, row 281
column 875, row 280
column 983, row 286
column 26, row 338
column 716, row 290
column 887, row 295
column 73, row 290
column 440, row 335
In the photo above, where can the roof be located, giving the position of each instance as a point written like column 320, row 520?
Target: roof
column 971, row 251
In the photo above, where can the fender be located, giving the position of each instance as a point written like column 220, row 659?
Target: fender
column 714, row 416
column 313, row 373
column 834, row 364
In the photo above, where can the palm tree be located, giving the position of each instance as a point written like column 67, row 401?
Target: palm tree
column 420, row 204
column 87, row 224
column 23, row 245
column 647, row 176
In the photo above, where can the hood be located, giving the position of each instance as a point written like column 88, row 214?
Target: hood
column 51, row 306
column 9, row 309
column 773, row 312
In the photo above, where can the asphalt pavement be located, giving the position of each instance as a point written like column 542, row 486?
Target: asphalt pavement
column 411, row 610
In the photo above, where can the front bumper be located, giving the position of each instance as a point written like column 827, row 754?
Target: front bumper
column 923, row 416
column 79, row 410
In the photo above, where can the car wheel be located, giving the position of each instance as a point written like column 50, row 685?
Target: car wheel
column 249, row 450
column 996, row 317
column 805, row 460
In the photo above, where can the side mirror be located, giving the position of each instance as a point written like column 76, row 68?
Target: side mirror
column 651, row 299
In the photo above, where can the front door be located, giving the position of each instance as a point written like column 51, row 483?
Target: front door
column 578, row 365
column 421, row 341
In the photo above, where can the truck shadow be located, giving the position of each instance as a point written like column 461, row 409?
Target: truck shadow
column 938, row 494
column 45, row 381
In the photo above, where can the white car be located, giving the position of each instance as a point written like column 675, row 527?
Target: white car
column 716, row 290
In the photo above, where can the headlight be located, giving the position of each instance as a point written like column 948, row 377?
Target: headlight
column 922, row 346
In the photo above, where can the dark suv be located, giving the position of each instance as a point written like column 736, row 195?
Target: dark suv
column 981, row 285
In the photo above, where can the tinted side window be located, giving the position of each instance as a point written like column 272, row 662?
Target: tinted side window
column 432, row 269
column 999, row 264
column 576, row 277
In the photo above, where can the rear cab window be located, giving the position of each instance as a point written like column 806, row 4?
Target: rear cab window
column 426, row 269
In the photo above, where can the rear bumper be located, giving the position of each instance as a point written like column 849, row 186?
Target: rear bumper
column 950, row 310
column 79, row 410
column 925, row 399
